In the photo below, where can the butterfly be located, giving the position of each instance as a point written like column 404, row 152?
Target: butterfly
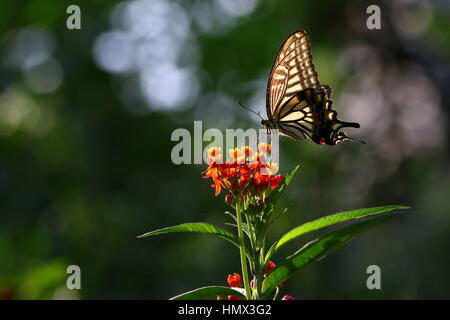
column 297, row 104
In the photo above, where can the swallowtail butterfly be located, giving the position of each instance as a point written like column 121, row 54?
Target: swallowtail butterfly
column 297, row 104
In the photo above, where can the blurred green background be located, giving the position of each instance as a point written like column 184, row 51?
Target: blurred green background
column 86, row 118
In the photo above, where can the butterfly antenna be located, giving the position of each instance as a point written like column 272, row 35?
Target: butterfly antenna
column 247, row 108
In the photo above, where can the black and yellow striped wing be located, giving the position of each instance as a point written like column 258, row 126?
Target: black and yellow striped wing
column 298, row 116
column 292, row 72
column 297, row 104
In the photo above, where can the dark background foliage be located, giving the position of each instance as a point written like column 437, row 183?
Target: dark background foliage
column 86, row 118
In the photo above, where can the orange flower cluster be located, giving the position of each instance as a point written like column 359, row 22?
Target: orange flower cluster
column 248, row 173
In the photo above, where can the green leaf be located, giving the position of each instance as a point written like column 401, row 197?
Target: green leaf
column 197, row 227
column 326, row 222
column 278, row 191
column 316, row 250
column 209, row 292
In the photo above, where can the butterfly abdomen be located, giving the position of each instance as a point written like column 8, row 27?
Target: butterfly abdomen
column 322, row 134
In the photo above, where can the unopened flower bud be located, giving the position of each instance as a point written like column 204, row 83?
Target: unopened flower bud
column 270, row 266
column 235, row 280
column 228, row 198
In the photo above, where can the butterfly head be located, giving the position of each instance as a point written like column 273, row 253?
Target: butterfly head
column 269, row 124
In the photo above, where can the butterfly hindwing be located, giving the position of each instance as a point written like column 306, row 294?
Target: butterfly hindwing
column 299, row 114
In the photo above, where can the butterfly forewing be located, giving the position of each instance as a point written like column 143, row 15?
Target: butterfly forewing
column 292, row 72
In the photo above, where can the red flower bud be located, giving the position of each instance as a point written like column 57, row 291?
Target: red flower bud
column 234, row 280
column 228, row 198
column 270, row 266
column 235, row 298
column 286, row 297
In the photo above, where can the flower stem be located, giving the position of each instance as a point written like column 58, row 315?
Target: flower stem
column 242, row 252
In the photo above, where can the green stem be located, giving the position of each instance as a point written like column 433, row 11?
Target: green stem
column 252, row 259
column 276, row 294
column 242, row 252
